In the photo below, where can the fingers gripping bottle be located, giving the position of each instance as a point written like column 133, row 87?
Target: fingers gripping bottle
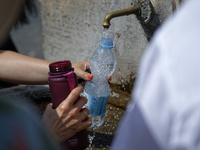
column 97, row 91
column 62, row 80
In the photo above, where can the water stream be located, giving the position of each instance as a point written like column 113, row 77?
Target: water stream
column 122, row 79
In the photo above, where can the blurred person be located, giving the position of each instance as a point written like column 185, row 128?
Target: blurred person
column 164, row 112
column 20, row 127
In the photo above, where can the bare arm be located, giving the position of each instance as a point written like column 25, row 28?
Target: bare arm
column 18, row 68
column 21, row 69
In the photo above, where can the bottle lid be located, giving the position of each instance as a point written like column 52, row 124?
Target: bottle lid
column 60, row 66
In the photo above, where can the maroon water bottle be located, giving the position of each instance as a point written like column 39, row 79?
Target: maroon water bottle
column 62, row 80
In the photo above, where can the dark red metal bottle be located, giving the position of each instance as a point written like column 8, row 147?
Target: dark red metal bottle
column 62, row 80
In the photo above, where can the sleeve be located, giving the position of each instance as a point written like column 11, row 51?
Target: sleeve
column 185, row 132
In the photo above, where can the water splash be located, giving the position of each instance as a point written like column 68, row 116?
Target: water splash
column 122, row 79
column 91, row 139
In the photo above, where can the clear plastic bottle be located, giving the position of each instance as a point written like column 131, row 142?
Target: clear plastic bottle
column 102, row 66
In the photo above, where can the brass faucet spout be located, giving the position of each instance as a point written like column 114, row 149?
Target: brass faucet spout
column 132, row 10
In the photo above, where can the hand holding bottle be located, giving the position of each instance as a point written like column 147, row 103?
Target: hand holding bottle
column 62, row 82
column 80, row 69
column 68, row 118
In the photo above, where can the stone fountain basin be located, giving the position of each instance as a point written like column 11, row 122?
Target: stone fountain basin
column 39, row 97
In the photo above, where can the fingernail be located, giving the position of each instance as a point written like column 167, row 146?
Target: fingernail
column 110, row 78
column 90, row 76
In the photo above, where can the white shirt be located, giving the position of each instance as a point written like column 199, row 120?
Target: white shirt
column 165, row 108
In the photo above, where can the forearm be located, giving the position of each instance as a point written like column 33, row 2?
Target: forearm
column 21, row 69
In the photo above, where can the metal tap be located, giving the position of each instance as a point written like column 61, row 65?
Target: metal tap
column 141, row 8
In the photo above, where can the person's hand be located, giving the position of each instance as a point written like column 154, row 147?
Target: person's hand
column 69, row 117
column 80, row 69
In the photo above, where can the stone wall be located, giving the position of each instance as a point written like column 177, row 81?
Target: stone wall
column 72, row 30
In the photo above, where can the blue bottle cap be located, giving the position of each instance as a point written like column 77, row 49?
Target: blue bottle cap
column 106, row 43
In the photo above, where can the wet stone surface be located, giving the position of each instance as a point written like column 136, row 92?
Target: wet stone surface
column 39, row 96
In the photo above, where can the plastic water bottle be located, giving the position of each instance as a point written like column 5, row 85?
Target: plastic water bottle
column 97, row 91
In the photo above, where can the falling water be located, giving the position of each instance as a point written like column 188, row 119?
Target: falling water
column 91, row 138
column 122, row 79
